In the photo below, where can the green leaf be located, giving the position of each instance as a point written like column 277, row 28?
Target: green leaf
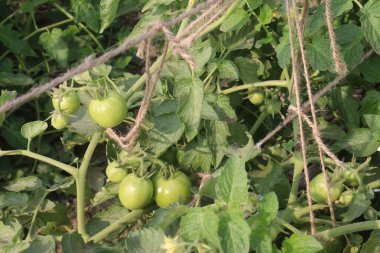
column 55, row 46
column 18, row 79
column 31, row 5
column 282, row 49
column 372, row 121
column 10, row 232
column 241, row 39
column 107, row 192
column 82, row 123
column 72, row 243
column 370, row 104
column 372, row 244
column 268, row 207
column 301, row 243
column 164, row 217
column 369, row 69
column 360, row 202
column 236, row 20
column 41, row 244
column 265, row 16
column 198, row 155
column 247, row 69
column 360, row 141
column 86, row 11
column 147, row 19
column 145, row 241
column 319, row 54
column 155, row 3
column 190, row 98
column 347, row 106
column 253, row 4
column 370, row 21
column 10, row 39
column 316, row 21
column 108, row 10
column 234, row 232
column 4, row 97
column 201, row 55
column 16, row 247
column 232, row 186
column 216, row 134
column 13, row 199
column 201, row 224
column 167, row 128
column 105, row 218
column 228, row 70
column 33, row 129
column 178, row 70
column 29, row 183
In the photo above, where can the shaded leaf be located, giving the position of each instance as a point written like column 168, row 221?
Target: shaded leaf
column 29, row 183
column 33, row 129
column 145, row 241
column 10, row 39
column 55, row 46
column 370, row 21
column 108, row 10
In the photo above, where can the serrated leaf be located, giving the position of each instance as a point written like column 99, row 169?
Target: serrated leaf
column 216, row 134
column 41, row 244
column 236, row 20
column 19, row 79
column 241, row 39
column 198, row 155
column 4, row 97
column 358, row 205
column 164, row 217
column 347, row 106
column 189, row 93
column 369, row 69
column 301, row 243
column 85, row 11
column 10, row 231
column 201, row 224
column 232, row 186
column 265, row 15
column 201, row 55
column 33, row 129
column 108, row 10
column 360, row 141
column 234, row 232
column 29, row 183
column 268, row 207
column 228, row 70
column 319, row 54
column 145, row 241
column 55, row 46
column 107, row 192
column 10, row 39
column 72, row 243
column 370, row 21
column 247, row 69
column 30, row 5
column 155, row 3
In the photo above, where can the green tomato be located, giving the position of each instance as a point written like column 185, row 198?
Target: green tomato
column 256, row 98
column 135, row 192
column 176, row 189
column 115, row 173
column 318, row 190
column 273, row 107
column 108, row 112
column 59, row 121
column 346, row 198
column 69, row 103
column 351, row 178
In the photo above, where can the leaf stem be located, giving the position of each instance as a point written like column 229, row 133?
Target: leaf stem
column 277, row 83
column 346, row 229
column 81, row 183
column 35, row 213
column 67, row 168
column 263, row 115
column 130, row 217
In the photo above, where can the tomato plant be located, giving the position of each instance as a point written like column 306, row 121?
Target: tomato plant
column 135, row 192
column 68, row 103
column 175, row 189
column 108, row 112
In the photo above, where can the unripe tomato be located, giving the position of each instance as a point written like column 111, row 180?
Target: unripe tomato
column 69, row 102
column 273, row 107
column 115, row 173
column 59, row 121
column 346, row 198
column 176, row 189
column 108, row 112
column 318, row 189
column 256, row 98
column 135, row 192
column 351, row 178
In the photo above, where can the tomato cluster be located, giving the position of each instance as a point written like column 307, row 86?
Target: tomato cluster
column 64, row 105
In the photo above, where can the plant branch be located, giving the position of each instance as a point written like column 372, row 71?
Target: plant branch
column 67, row 168
column 271, row 83
column 130, row 217
column 346, row 229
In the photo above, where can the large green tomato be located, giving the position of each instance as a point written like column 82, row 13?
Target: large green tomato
column 108, row 112
column 115, row 173
column 318, row 190
column 59, row 121
column 176, row 189
column 135, row 192
column 69, row 103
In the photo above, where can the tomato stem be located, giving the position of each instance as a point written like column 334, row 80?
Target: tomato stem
column 81, row 183
column 276, row 83
column 346, row 229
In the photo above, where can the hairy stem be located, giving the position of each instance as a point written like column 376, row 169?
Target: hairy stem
column 130, row 217
column 67, row 168
column 81, row 183
column 277, row 83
